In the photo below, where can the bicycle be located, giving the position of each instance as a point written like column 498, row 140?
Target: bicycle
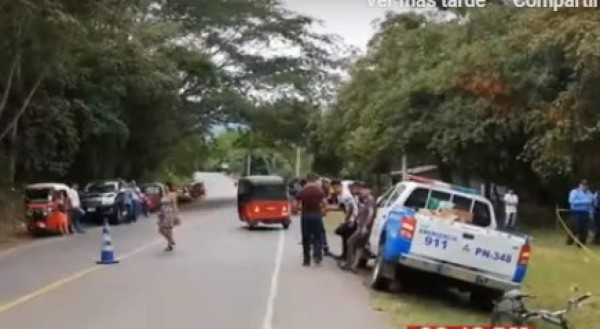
column 511, row 310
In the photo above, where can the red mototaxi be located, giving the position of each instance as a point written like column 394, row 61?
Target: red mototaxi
column 263, row 200
column 40, row 204
column 197, row 190
column 153, row 193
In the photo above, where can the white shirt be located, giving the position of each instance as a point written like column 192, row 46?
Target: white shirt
column 511, row 201
column 350, row 201
column 74, row 197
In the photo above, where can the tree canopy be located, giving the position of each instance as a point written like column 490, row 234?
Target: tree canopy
column 95, row 89
column 497, row 92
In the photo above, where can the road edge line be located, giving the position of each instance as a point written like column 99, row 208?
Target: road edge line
column 269, row 312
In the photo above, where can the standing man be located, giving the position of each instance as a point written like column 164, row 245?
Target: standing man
column 596, row 216
column 511, row 200
column 75, row 211
column 581, row 201
column 313, row 203
column 350, row 207
column 364, row 221
column 325, row 188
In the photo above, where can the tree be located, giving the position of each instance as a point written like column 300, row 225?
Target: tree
column 499, row 93
column 98, row 89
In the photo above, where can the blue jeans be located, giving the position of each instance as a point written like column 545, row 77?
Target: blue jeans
column 312, row 236
column 130, row 209
column 76, row 215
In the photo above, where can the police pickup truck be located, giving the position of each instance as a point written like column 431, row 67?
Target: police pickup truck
column 409, row 243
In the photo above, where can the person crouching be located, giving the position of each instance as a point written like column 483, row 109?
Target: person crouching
column 364, row 222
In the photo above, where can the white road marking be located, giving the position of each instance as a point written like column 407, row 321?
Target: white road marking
column 268, row 319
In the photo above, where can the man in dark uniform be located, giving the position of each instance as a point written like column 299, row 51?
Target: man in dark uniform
column 326, row 251
column 313, row 203
column 364, row 222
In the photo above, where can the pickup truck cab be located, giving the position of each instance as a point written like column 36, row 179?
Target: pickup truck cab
column 470, row 255
column 104, row 199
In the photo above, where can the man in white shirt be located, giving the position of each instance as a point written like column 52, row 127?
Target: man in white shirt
column 75, row 211
column 511, row 201
column 346, row 229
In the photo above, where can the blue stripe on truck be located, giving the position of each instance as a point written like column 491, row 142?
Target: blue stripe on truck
column 395, row 244
column 519, row 273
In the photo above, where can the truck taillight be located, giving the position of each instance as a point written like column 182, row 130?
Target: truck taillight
column 524, row 254
column 407, row 227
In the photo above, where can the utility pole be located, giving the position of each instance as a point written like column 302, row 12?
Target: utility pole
column 298, row 151
column 404, row 167
column 249, row 164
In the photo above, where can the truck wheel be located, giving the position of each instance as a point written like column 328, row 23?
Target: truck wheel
column 483, row 298
column 286, row 225
column 117, row 218
column 378, row 281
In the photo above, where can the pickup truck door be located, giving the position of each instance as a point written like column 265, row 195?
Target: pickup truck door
column 384, row 203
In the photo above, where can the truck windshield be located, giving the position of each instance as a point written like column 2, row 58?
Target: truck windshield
column 102, row 188
column 38, row 194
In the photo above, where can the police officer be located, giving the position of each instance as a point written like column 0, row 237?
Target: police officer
column 364, row 220
column 581, row 201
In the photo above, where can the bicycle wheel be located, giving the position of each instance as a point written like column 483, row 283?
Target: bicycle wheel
column 505, row 318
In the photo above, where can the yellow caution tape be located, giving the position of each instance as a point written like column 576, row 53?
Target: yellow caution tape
column 564, row 225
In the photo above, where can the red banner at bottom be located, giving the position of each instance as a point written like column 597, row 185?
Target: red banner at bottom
column 471, row 327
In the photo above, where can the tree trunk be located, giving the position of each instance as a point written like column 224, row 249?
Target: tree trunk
column 13, row 123
column 11, row 155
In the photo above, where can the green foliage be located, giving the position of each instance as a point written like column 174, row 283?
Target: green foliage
column 98, row 89
column 501, row 93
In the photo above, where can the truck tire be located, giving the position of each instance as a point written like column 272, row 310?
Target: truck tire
column 117, row 217
column 484, row 298
column 378, row 280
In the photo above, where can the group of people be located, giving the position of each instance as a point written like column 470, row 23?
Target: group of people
column 68, row 213
column 359, row 209
column 584, row 213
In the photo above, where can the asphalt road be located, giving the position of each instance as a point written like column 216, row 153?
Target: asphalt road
column 220, row 276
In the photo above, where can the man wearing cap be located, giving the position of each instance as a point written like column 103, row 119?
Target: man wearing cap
column 364, row 221
column 581, row 201
column 313, row 203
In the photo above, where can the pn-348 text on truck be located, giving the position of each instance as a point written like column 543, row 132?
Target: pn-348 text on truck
column 445, row 234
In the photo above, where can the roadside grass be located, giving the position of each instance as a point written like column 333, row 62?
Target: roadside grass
column 12, row 228
column 555, row 272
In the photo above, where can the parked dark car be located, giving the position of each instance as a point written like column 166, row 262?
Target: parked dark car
column 104, row 199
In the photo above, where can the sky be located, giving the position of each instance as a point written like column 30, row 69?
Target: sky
column 350, row 19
